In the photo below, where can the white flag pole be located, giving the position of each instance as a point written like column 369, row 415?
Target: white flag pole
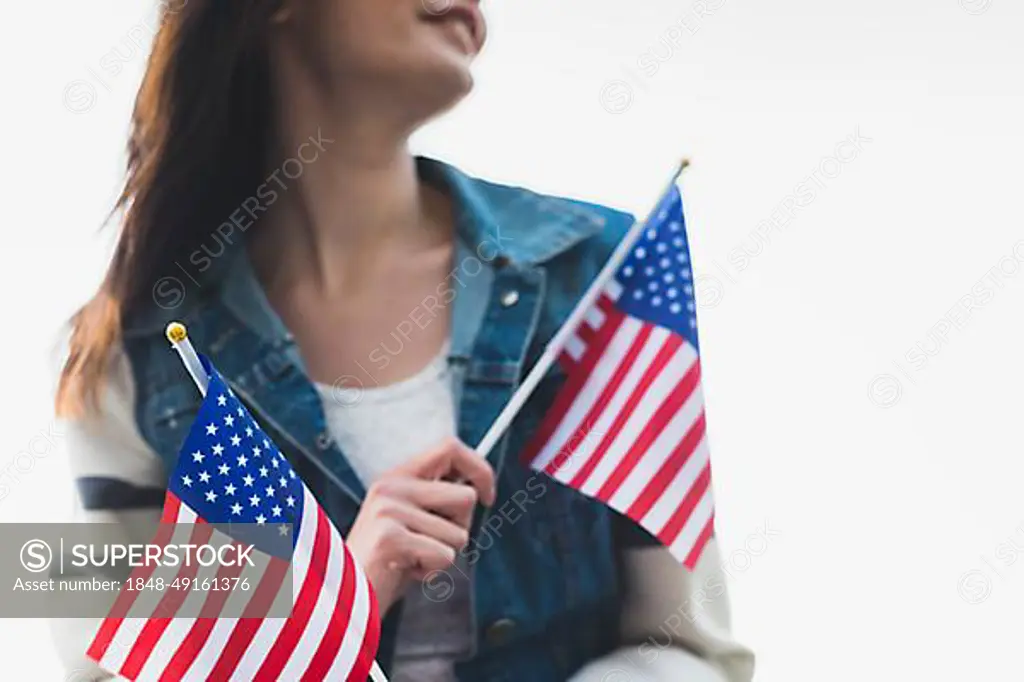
column 177, row 334
column 558, row 342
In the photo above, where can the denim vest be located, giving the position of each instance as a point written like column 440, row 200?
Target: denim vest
column 544, row 559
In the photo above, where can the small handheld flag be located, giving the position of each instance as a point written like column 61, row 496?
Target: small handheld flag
column 230, row 472
column 628, row 427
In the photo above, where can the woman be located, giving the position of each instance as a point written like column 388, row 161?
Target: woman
column 375, row 311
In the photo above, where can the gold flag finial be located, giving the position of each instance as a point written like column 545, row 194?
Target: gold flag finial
column 176, row 332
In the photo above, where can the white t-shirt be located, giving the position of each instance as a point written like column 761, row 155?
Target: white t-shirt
column 379, row 429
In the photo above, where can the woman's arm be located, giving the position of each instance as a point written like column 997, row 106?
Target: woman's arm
column 121, row 481
column 677, row 623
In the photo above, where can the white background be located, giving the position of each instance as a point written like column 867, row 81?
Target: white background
column 890, row 486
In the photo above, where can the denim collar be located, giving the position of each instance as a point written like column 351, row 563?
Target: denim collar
column 504, row 226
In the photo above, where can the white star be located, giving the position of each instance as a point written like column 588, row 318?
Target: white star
column 674, row 226
column 291, row 474
column 649, row 271
column 186, row 481
column 242, row 460
column 240, row 411
column 254, row 500
column 211, row 496
column 290, row 501
column 229, row 489
column 256, row 451
column 675, row 308
column 236, row 509
column 222, row 400
column 218, row 449
column 686, row 274
column 248, row 432
column 264, row 471
column 672, row 293
column 669, row 278
column 283, row 530
column 689, row 306
column 270, row 491
column 229, row 420
column 661, row 247
column 693, row 323
column 248, row 480
column 224, row 469
column 261, row 519
column 637, row 294
column 664, row 262
column 627, row 271
column 653, row 286
column 276, row 511
column 236, row 441
column 281, row 482
column 640, row 252
column 688, row 290
column 656, row 301
column 677, row 242
column 681, row 257
column 266, row 443
column 204, row 476
column 273, row 462
column 651, row 233
column 211, row 429
column 197, row 456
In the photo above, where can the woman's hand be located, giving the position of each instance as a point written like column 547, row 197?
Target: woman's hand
column 414, row 519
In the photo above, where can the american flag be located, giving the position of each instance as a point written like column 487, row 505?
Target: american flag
column 628, row 426
column 230, row 472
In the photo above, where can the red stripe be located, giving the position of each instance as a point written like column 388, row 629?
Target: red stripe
column 125, row 598
column 661, row 359
column 586, row 333
column 680, row 516
column 169, row 604
column 656, row 425
column 567, row 394
column 252, row 618
column 607, row 393
column 660, row 482
column 698, row 547
column 328, row 648
column 190, row 648
column 305, row 602
column 371, row 641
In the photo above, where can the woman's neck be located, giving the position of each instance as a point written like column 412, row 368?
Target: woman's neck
column 357, row 201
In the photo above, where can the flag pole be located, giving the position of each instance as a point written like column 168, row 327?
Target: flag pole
column 177, row 334
column 558, row 342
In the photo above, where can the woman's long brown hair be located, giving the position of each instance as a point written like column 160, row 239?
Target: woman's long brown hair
column 200, row 134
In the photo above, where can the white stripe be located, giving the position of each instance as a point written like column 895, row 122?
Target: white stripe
column 575, row 347
column 650, row 402
column 602, row 427
column 595, row 317
column 683, row 544
column 137, row 616
column 659, row 451
column 271, row 628
column 590, row 392
column 178, row 629
column 319, row 622
column 659, row 514
column 352, row 644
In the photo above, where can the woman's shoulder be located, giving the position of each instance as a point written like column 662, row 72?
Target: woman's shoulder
column 543, row 228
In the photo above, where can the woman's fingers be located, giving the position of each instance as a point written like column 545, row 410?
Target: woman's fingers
column 422, row 522
column 453, row 459
column 454, row 501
